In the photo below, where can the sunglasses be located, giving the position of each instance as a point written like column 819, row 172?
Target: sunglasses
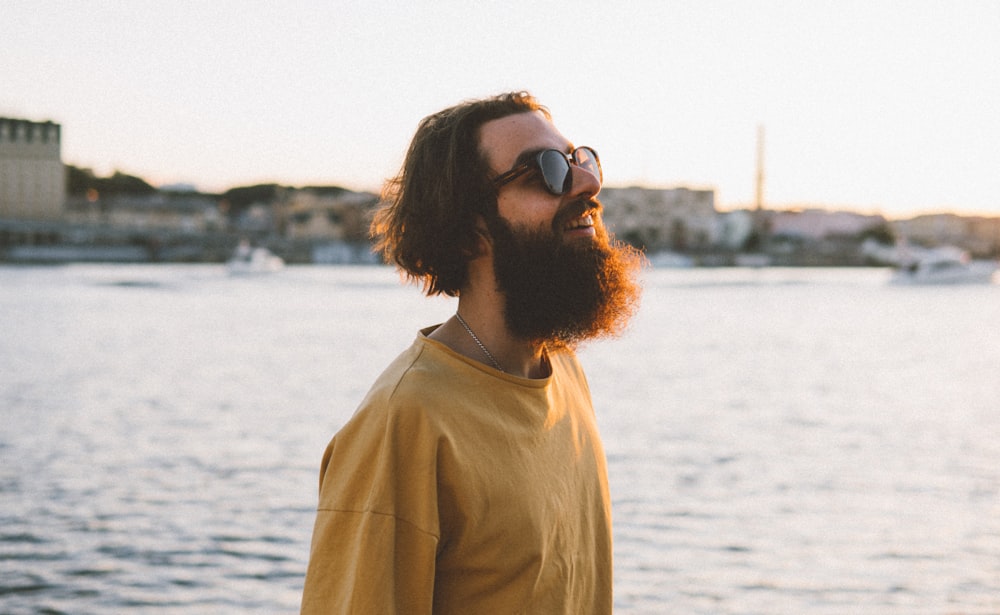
column 555, row 168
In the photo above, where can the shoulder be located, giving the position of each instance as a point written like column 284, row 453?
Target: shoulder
column 417, row 386
column 391, row 424
column 415, row 377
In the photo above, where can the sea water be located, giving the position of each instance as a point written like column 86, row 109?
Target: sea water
column 779, row 441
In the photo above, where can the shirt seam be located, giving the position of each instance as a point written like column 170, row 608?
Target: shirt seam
column 380, row 514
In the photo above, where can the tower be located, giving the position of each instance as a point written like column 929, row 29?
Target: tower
column 759, row 191
column 761, row 229
column 32, row 176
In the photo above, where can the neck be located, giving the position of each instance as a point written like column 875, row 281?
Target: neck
column 479, row 342
column 480, row 335
column 481, row 307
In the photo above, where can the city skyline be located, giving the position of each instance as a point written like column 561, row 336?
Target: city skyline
column 884, row 107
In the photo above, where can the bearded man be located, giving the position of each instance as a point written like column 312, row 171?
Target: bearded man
column 472, row 478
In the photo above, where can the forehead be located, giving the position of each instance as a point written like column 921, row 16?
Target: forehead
column 504, row 140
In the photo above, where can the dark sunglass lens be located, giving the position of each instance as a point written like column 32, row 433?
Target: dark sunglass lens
column 555, row 171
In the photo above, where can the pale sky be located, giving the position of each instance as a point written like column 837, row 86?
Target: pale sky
column 884, row 106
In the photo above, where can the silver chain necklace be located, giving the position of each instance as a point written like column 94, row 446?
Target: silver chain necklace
column 479, row 343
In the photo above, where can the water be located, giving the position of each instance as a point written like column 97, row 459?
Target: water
column 779, row 441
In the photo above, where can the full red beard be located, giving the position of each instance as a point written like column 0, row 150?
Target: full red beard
column 560, row 291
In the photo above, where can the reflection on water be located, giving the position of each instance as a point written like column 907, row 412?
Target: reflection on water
column 779, row 441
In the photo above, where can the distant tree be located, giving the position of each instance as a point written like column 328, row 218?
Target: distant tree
column 80, row 182
column 326, row 190
column 881, row 233
column 241, row 198
column 122, row 183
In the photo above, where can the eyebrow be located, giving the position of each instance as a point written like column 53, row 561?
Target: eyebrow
column 526, row 156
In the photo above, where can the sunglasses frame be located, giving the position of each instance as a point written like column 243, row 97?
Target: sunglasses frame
column 535, row 163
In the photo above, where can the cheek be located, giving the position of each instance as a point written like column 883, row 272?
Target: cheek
column 527, row 210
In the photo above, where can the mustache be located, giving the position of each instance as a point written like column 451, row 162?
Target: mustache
column 576, row 209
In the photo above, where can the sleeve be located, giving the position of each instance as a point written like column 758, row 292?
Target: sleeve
column 376, row 533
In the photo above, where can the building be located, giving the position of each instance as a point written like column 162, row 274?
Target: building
column 180, row 213
column 327, row 213
column 815, row 224
column 979, row 235
column 32, row 176
column 676, row 219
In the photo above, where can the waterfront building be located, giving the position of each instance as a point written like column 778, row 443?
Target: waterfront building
column 677, row 219
column 330, row 212
column 816, row 224
column 182, row 213
column 32, row 176
column 979, row 235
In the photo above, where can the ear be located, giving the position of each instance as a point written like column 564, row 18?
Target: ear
column 481, row 243
column 481, row 228
column 484, row 243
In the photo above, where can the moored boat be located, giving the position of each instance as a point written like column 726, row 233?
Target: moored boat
column 944, row 265
column 249, row 260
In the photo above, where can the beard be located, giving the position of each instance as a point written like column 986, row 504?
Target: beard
column 560, row 291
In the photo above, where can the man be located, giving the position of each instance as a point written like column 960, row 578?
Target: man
column 472, row 478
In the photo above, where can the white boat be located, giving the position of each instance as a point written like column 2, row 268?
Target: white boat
column 945, row 265
column 248, row 260
column 753, row 260
column 670, row 260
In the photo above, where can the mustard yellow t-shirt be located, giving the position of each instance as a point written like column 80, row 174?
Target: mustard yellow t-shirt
column 459, row 489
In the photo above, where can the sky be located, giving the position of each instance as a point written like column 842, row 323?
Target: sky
column 888, row 107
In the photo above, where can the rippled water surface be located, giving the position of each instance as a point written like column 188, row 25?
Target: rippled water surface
column 779, row 441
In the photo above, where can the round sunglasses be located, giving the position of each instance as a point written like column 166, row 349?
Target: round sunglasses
column 555, row 168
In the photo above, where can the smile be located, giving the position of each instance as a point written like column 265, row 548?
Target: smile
column 581, row 225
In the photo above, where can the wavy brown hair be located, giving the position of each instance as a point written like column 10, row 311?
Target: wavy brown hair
column 427, row 223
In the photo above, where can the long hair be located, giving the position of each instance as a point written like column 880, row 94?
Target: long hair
column 427, row 223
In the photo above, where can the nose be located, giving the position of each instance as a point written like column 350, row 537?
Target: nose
column 585, row 184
